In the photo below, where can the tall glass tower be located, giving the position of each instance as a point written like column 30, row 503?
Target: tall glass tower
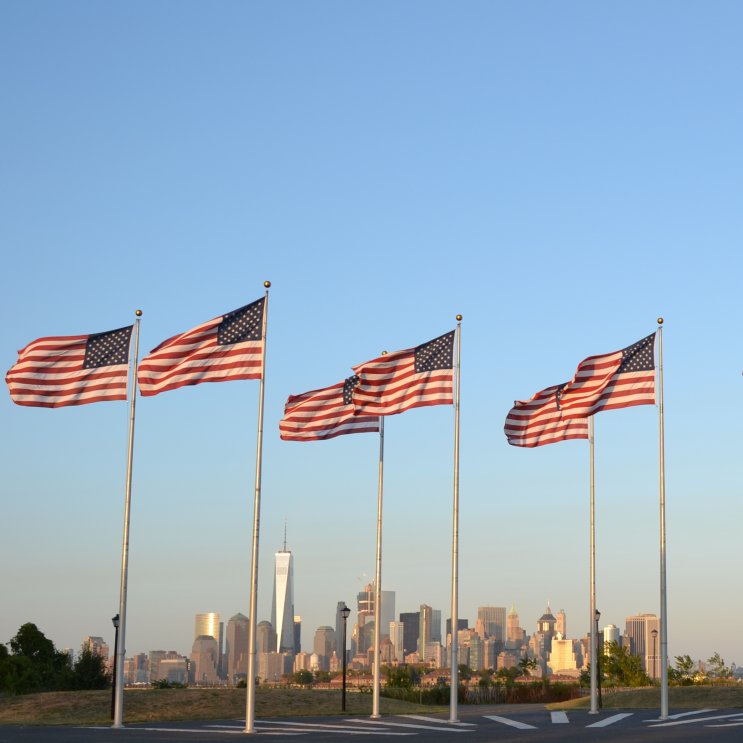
column 282, row 606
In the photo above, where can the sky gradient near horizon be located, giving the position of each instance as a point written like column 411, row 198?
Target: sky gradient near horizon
column 561, row 174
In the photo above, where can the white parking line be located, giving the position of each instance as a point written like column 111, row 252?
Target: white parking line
column 559, row 717
column 512, row 723
column 610, row 720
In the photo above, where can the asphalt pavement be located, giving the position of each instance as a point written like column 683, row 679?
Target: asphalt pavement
column 495, row 724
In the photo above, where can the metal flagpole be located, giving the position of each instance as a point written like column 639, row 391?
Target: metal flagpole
column 121, row 649
column 592, row 570
column 250, row 696
column 378, row 577
column 663, row 597
column 453, row 708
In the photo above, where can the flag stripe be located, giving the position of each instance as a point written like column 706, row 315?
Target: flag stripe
column 412, row 378
column 50, row 372
column 197, row 356
column 621, row 379
column 538, row 421
column 323, row 414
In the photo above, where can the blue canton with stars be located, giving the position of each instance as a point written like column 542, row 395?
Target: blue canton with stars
column 348, row 386
column 639, row 356
column 245, row 324
column 436, row 354
column 107, row 349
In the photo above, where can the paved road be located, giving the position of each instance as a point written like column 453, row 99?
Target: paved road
column 501, row 724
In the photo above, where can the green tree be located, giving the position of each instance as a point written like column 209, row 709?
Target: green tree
column 303, row 677
column 717, row 670
column 683, row 673
column 34, row 665
column 89, row 671
column 622, row 668
column 526, row 665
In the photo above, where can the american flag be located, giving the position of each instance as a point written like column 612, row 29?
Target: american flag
column 413, row 378
column 324, row 414
column 539, row 421
column 71, row 370
column 612, row 380
column 226, row 348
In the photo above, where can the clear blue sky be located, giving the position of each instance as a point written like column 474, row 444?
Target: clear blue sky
column 559, row 173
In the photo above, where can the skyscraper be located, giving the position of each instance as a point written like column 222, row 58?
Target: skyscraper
column 639, row 628
column 208, row 625
column 494, row 619
column 411, row 626
column 561, row 623
column 236, row 647
column 282, row 606
column 424, row 633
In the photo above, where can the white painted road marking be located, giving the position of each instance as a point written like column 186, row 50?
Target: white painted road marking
column 679, row 715
column 559, row 718
column 512, row 723
column 410, row 725
column 695, row 720
column 439, row 720
column 610, row 720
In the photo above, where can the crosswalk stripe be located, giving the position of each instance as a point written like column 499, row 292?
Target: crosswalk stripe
column 512, row 723
column 610, row 720
column 559, row 717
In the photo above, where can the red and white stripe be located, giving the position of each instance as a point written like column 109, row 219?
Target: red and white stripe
column 389, row 385
column 538, row 421
column 597, row 385
column 194, row 357
column 49, row 374
column 322, row 414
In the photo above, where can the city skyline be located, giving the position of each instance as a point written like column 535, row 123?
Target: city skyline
column 560, row 176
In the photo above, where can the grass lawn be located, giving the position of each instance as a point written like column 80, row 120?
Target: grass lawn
column 679, row 697
column 150, row 705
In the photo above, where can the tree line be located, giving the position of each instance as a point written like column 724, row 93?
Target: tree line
column 33, row 664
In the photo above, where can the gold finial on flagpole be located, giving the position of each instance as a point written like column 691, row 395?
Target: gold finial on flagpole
column 660, row 321
column 267, row 284
column 138, row 313
column 459, row 318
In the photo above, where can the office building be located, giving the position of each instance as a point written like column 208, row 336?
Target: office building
column 639, row 630
column 209, row 624
column 204, row 661
column 424, row 629
column 236, row 647
column 282, row 605
column 494, row 621
column 411, row 624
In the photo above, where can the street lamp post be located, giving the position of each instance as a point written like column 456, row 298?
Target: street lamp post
column 116, row 621
column 654, row 633
column 345, row 611
column 598, row 658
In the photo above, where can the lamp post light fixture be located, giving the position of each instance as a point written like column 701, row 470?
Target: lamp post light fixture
column 345, row 611
column 598, row 657
column 654, row 633
column 116, row 622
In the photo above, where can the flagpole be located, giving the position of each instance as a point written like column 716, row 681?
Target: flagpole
column 378, row 577
column 121, row 650
column 592, row 570
column 250, row 696
column 663, row 596
column 454, row 689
